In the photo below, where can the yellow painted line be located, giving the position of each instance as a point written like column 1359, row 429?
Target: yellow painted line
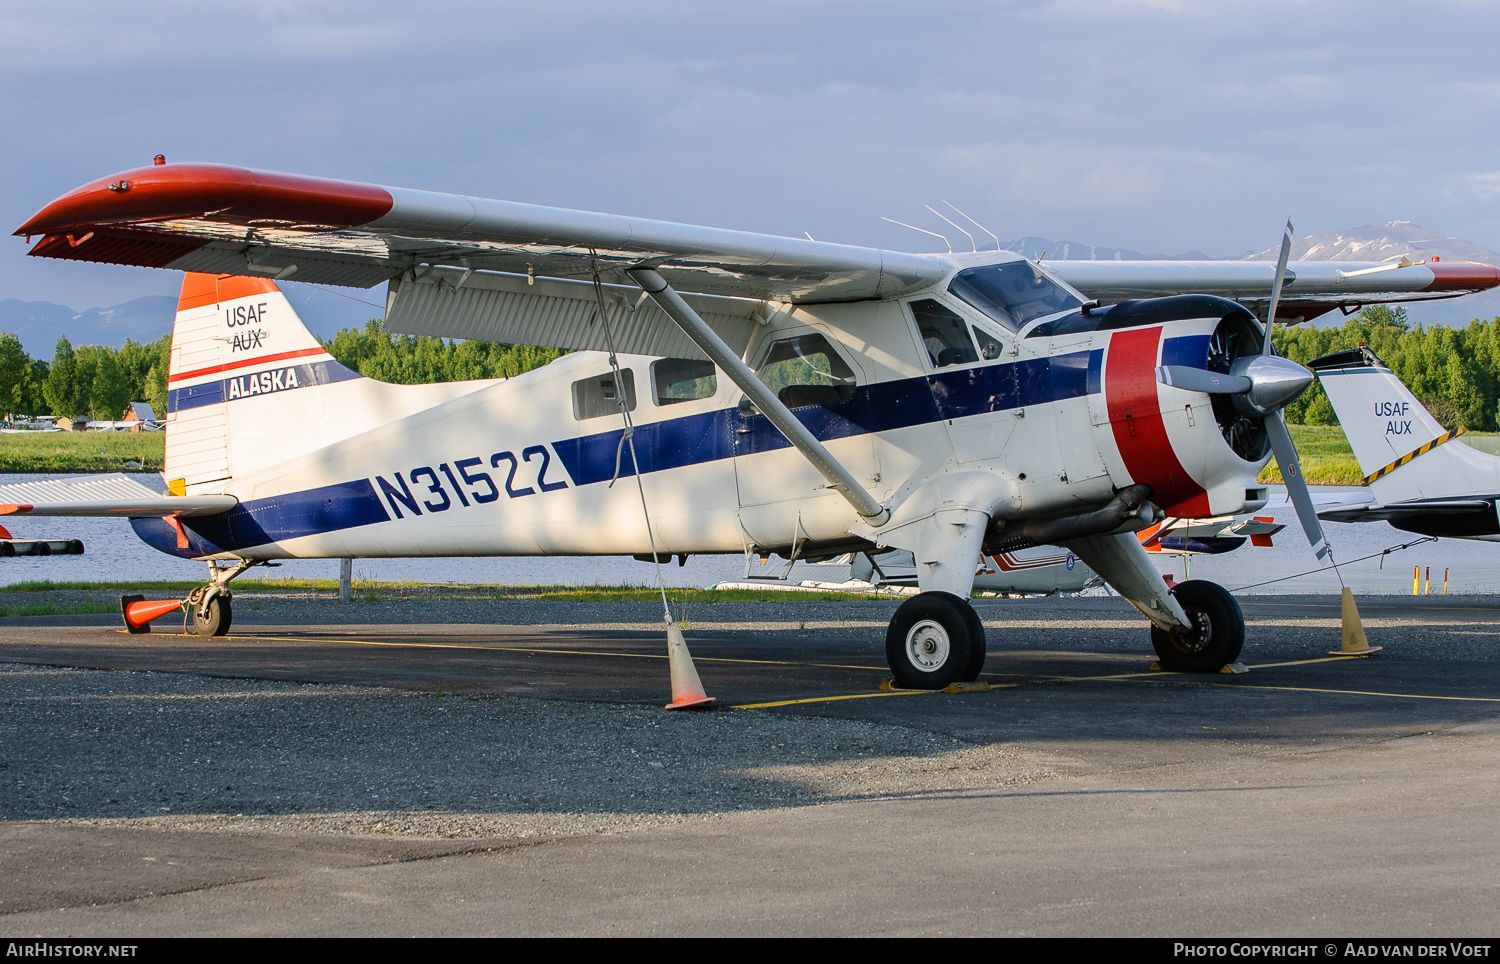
column 1303, row 662
column 831, row 699
column 1403, row 696
column 523, row 649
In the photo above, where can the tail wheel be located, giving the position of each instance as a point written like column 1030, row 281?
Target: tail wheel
column 934, row 639
column 213, row 619
column 1217, row 635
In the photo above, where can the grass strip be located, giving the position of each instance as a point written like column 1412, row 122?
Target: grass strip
column 65, row 452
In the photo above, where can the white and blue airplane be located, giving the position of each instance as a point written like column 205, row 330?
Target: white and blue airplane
column 755, row 394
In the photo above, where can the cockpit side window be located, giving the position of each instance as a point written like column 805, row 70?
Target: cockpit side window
column 989, row 346
column 805, row 370
column 944, row 333
column 1014, row 293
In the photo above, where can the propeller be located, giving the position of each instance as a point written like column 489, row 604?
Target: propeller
column 1263, row 385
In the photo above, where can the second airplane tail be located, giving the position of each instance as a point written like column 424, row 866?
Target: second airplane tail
column 1402, row 450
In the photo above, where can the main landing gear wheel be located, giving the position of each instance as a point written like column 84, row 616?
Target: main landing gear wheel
column 1217, row 636
column 934, row 639
column 215, row 618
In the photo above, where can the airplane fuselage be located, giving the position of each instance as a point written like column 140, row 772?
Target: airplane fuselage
column 1067, row 411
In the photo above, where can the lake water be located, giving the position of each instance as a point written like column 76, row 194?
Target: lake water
column 113, row 553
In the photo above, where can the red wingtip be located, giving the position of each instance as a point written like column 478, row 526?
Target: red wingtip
column 230, row 195
column 1463, row 276
column 17, row 509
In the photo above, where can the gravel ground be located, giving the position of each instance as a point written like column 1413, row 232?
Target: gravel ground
column 168, row 750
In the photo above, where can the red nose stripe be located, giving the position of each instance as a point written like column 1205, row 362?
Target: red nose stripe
column 1135, row 416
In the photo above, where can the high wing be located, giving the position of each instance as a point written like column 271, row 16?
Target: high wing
column 467, row 267
column 1311, row 288
column 216, row 219
column 105, row 495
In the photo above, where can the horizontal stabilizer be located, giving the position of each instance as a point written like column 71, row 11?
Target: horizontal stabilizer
column 104, row 495
column 1403, row 510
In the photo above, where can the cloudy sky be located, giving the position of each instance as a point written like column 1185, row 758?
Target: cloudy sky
column 1161, row 126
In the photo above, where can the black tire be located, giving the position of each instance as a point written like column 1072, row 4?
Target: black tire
column 41, row 549
column 1220, row 635
column 934, row 639
column 216, row 623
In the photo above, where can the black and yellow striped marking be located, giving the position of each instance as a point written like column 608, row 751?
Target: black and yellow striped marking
column 1423, row 450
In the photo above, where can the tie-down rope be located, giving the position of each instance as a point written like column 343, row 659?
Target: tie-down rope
column 628, row 438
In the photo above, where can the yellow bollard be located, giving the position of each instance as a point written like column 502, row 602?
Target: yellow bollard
column 1354, row 642
column 1427, row 590
column 1445, row 582
column 1416, row 577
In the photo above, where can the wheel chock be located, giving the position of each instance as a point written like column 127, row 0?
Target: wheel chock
column 1234, row 668
column 1354, row 641
column 888, row 685
column 687, row 688
column 139, row 612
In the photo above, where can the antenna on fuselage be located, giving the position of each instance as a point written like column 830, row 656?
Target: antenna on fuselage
column 976, row 224
column 972, row 245
column 923, row 230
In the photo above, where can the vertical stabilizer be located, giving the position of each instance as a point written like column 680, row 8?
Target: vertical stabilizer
column 1385, row 423
column 242, row 388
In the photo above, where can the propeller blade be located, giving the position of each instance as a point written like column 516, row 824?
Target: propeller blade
column 1296, row 486
column 1286, row 251
column 1201, row 380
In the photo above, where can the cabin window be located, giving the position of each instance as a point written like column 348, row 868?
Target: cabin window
column 989, row 345
column 807, row 371
column 944, row 333
column 1014, row 293
column 683, row 380
column 597, row 396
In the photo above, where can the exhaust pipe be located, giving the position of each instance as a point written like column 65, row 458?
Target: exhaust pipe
column 1130, row 502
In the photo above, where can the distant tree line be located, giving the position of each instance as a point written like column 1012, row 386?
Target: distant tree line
column 419, row 359
column 90, row 381
column 99, row 382
column 1454, row 371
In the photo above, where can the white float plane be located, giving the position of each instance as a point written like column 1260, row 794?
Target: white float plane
column 767, row 394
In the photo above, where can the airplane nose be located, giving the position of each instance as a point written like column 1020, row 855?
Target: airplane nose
column 1274, row 381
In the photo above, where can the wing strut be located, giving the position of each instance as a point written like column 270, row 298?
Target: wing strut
column 722, row 355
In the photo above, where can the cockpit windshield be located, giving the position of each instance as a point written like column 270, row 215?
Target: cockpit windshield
column 1013, row 293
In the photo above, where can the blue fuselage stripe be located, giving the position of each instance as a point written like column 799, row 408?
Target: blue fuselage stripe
column 328, row 508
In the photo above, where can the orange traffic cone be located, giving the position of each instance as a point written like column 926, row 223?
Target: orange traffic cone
column 687, row 689
column 1354, row 641
column 139, row 611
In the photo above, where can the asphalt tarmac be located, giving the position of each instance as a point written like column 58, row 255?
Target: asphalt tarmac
column 1083, row 794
